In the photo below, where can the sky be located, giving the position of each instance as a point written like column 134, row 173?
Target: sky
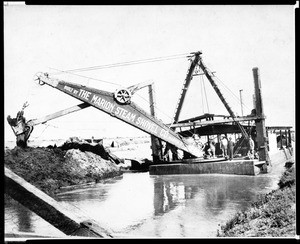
column 233, row 39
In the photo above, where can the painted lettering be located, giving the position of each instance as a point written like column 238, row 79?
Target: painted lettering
column 164, row 133
column 123, row 113
column 70, row 89
column 147, row 125
column 101, row 104
column 94, row 99
column 84, row 94
column 130, row 117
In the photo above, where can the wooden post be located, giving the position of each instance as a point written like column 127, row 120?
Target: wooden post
column 156, row 145
column 69, row 221
column 260, row 123
column 286, row 138
column 281, row 144
column 290, row 138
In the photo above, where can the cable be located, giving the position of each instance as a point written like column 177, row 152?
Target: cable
column 36, row 137
column 158, row 59
column 162, row 113
column 234, row 95
column 205, row 96
column 154, row 106
column 90, row 78
column 202, row 96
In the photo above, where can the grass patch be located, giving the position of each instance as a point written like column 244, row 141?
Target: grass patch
column 273, row 215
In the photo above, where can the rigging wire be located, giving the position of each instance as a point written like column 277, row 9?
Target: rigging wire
column 148, row 60
column 36, row 137
column 171, row 118
column 191, row 133
column 202, row 95
column 234, row 95
column 154, row 106
column 87, row 77
column 205, row 94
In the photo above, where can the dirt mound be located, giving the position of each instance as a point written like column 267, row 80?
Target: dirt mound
column 90, row 164
column 97, row 149
column 49, row 169
column 86, row 147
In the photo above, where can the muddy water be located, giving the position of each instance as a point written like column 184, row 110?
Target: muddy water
column 141, row 205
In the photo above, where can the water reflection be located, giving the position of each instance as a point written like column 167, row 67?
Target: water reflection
column 167, row 195
column 140, row 205
column 24, row 219
column 217, row 191
column 17, row 215
column 20, row 219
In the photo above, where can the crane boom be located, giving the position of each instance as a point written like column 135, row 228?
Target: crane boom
column 127, row 112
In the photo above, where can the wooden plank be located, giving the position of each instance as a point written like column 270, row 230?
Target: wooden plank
column 204, row 116
column 214, row 122
column 68, row 220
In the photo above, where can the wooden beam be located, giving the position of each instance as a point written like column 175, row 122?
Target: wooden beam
column 155, row 142
column 215, row 130
column 261, row 134
column 68, row 220
column 204, row 116
column 211, row 79
column 278, row 127
column 213, row 122
column 290, row 138
column 58, row 114
column 186, row 84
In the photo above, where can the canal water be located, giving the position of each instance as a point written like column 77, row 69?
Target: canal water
column 143, row 205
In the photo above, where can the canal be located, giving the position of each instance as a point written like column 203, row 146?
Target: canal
column 143, row 205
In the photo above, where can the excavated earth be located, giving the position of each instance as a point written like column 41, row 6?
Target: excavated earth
column 53, row 168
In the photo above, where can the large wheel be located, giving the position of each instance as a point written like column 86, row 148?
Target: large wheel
column 123, row 96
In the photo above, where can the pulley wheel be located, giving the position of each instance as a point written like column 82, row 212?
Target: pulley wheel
column 123, row 96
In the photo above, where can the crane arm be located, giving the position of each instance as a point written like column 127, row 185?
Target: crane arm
column 118, row 105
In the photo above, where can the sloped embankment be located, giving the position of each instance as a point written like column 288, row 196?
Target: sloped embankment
column 49, row 169
column 274, row 215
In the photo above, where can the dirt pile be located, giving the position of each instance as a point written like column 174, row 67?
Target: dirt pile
column 49, row 169
column 274, row 215
column 89, row 165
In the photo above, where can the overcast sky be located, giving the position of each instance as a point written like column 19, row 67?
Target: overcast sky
column 233, row 39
